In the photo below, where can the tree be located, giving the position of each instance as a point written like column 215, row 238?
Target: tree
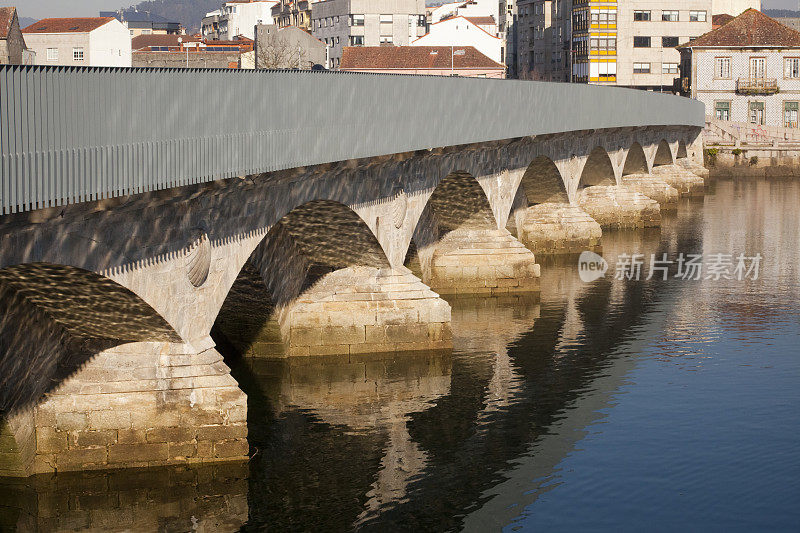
column 275, row 51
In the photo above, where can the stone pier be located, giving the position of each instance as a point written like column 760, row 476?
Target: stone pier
column 482, row 261
column 693, row 167
column 654, row 188
column 364, row 309
column 134, row 405
column 619, row 207
column 559, row 228
column 686, row 182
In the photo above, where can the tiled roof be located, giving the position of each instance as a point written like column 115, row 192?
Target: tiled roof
column 751, row 28
column 719, row 20
column 6, row 17
column 67, row 25
column 143, row 41
column 414, row 57
column 481, row 21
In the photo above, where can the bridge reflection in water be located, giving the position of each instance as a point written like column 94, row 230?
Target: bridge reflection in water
column 414, row 439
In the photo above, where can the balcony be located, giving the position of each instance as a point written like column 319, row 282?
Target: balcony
column 757, row 86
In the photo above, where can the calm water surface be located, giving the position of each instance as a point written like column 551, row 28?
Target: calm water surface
column 614, row 405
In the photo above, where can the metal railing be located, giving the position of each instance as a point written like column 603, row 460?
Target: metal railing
column 757, row 85
column 72, row 134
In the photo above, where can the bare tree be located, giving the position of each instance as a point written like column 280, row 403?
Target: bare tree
column 276, row 52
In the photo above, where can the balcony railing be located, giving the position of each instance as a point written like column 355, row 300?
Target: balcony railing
column 757, row 85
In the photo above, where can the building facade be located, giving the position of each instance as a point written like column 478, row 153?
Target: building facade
column 235, row 18
column 341, row 23
column 288, row 47
column 462, row 31
column 748, row 70
column 92, row 42
column 13, row 50
column 292, row 13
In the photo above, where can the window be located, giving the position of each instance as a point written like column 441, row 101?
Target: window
column 641, row 42
column 790, row 114
column 52, row 54
column 386, row 39
column 791, row 67
column 758, row 66
column 386, row 19
column 669, row 68
column 356, row 20
column 697, row 16
column 604, row 44
column 722, row 110
column 722, row 68
column 669, row 42
column 77, row 54
column 147, row 32
column 356, row 40
column 757, row 113
column 641, row 15
column 641, row 68
column 669, row 16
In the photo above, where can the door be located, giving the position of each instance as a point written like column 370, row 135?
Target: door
column 757, row 113
column 758, row 67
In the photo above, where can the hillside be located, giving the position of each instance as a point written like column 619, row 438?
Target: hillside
column 190, row 13
column 24, row 22
column 781, row 13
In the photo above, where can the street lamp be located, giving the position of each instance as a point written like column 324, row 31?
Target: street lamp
column 180, row 45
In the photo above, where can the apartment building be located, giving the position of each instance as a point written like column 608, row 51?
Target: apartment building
column 747, row 70
column 235, row 18
column 297, row 13
column 545, row 36
column 340, row 23
column 507, row 30
column 610, row 42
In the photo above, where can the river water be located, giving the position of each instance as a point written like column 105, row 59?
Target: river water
column 619, row 404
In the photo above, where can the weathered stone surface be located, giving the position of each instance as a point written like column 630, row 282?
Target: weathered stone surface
column 481, row 261
column 685, row 181
column 619, row 207
column 693, row 167
column 654, row 188
column 358, row 309
column 557, row 228
column 153, row 422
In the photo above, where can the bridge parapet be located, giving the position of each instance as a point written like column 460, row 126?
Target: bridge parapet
column 72, row 134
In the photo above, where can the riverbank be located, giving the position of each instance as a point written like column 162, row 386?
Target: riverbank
column 752, row 161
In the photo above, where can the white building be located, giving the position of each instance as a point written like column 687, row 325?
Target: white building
column 235, row 18
column 747, row 70
column 91, row 42
column 734, row 7
column 461, row 31
column 470, row 8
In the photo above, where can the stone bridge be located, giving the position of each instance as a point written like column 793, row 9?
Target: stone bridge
column 129, row 235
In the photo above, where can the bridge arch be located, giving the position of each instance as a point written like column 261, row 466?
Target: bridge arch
column 598, row 170
column 55, row 318
column 542, row 182
column 663, row 154
column 681, row 152
column 635, row 161
column 314, row 250
column 458, row 202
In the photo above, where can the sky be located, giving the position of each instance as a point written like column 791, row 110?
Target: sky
column 40, row 9
column 89, row 8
